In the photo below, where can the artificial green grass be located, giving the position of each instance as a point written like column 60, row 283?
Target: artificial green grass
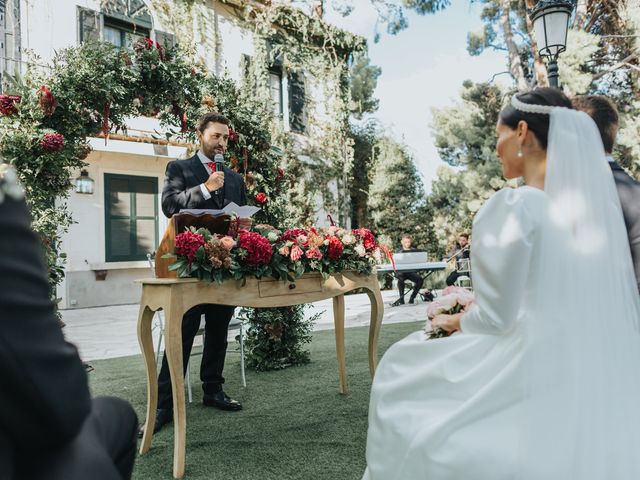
column 294, row 425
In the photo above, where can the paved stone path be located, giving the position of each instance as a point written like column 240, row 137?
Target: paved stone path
column 109, row 332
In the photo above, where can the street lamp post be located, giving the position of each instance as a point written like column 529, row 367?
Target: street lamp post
column 551, row 23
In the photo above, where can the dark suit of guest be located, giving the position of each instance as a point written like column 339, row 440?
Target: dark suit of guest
column 413, row 277
column 183, row 190
column 50, row 428
column 629, row 193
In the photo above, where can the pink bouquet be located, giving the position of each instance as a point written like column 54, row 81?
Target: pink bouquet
column 452, row 300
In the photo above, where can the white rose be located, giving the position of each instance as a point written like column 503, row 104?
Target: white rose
column 272, row 236
column 360, row 250
column 349, row 239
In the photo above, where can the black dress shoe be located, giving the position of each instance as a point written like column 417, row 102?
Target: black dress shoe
column 163, row 416
column 222, row 401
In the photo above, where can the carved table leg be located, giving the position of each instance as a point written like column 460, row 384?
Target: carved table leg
column 173, row 348
column 146, row 345
column 338, row 318
column 377, row 311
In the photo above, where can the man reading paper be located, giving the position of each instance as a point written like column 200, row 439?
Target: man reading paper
column 197, row 183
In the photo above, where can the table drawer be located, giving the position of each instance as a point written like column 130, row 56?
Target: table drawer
column 274, row 288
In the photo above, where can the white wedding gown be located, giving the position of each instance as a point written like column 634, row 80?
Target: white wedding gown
column 449, row 408
column 543, row 381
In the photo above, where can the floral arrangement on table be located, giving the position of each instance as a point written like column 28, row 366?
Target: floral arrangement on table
column 265, row 251
column 452, row 300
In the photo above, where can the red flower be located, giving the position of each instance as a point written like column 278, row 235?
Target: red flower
column 335, row 247
column 47, row 101
column 368, row 240
column 233, row 135
column 261, row 198
column 280, row 174
column 259, row 250
column 188, row 243
column 292, row 234
column 148, row 43
column 314, row 253
column 8, row 104
column 52, row 142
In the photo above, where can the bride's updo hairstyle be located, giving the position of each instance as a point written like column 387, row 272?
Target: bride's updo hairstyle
column 538, row 122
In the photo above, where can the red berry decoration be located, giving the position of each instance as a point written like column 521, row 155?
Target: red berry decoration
column 52, row 142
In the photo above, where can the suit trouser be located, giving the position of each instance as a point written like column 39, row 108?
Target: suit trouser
column 217, row 318
column 453, row 276
column 412, row 277
column 104, row 449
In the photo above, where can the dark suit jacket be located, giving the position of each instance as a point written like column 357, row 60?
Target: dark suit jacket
column 44, row 396
column 629, row 193
column 182, row 187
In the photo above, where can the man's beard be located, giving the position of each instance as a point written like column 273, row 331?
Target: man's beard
column 212, row 152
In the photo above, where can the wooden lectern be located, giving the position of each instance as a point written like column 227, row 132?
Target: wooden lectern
column 177, row 224
column 177, row 295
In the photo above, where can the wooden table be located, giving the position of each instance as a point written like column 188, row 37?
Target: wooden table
column 177, row 296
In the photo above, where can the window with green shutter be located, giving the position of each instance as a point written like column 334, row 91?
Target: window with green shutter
column 297, row 111
column 131, row 217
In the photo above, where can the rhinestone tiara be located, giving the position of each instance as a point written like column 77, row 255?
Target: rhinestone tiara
column 531, row 108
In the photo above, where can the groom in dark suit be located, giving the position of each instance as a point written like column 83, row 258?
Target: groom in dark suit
column 192, row 184
column 605, row 115
column 50, row 427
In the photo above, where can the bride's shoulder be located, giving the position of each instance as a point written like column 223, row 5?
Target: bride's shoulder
column 523, row 196
column 523, row 202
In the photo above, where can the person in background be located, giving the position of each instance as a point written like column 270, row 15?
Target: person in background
column 462, row 254
column 412, row 276
column 605, row 115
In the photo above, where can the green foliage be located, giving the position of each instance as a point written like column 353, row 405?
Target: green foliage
column 364, row 138
column 276, row 337
column 93, row 88
column 396, row 194
column 465, row 136
column 364, row 79
column 464, row 132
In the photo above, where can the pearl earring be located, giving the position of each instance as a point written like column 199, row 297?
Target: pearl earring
column 520, row 154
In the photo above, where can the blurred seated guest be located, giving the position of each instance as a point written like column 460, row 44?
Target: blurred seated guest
column 413, row 277
column 461, row 255
column 50, row 428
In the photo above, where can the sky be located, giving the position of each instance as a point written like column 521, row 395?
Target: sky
column 422, row 67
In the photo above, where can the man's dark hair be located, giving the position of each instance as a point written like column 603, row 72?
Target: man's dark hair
column 538, row 124
column 211, row 117
column 604, row 114
column 464, row 234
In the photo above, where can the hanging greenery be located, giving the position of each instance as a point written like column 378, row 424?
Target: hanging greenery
column 90, row 90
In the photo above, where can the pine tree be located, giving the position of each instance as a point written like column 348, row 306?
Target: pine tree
column 396, row 194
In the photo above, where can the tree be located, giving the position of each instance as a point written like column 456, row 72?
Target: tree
column 364, row 151
column 363, row 80
column 465, row 138
column 395, row 193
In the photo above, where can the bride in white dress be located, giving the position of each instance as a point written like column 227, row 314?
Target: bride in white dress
column 542, row 380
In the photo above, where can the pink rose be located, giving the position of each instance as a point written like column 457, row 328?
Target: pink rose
column 227, row 242
column 296, row 253
column 435, row 308
column 302, row 239
column 314, row 253
column 284, row 251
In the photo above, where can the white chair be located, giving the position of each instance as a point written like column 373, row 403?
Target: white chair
column 464, row 268
column 158, row 324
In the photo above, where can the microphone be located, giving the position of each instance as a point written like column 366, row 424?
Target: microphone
column 219, row 160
